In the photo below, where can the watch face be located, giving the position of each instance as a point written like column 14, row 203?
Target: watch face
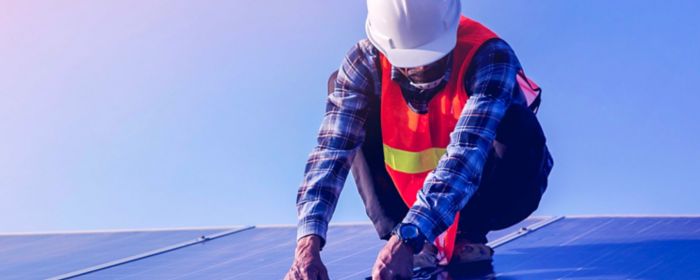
column 408, row 231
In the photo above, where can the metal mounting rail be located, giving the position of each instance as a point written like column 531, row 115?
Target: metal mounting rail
column 523, row 231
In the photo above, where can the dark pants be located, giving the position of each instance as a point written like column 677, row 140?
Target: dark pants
column 513, row 181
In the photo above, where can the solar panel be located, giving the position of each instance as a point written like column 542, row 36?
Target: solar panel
column 39, row 256
column 359, row 264
column 605, row 248
column 263, row 253
column 538, row 248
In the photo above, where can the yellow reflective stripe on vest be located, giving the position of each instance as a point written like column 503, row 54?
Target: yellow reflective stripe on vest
column 412, row 162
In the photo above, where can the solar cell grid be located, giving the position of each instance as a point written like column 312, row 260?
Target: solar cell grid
column 606, row 248
column 263, row 253
column 39, row 256
column 570, row 248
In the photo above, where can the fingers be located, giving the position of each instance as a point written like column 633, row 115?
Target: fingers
column 300, row 274
column 307, row 266
column 292, row 274
column 315, row 272
column 382, row 272
column 308, row 273
column 385, row 274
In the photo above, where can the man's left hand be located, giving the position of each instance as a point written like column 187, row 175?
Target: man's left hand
column 395, row 261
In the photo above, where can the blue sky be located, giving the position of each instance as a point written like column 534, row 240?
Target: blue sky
column 133, row 114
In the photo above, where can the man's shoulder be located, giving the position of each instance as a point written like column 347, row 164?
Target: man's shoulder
column 358, row 71
column 366, row 46
column 362, row 52
column 497, row 45
column 494, row 51
column 361, row 59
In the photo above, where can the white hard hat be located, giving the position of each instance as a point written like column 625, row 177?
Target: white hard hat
column 413, row 33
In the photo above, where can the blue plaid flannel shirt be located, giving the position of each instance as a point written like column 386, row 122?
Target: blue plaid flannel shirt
column 449, row 186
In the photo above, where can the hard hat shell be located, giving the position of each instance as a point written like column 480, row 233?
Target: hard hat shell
column 413, row 33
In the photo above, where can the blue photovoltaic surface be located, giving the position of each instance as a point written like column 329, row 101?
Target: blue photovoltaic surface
column 262, row 253
column 359, row 264
column 39, row 256
column 570, row 248
column 605, row 248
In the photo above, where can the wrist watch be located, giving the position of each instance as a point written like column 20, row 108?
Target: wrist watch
column 410, row 235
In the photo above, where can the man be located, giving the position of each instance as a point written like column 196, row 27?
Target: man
column 432, row 113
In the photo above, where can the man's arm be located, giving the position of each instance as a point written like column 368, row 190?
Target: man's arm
column 340, row 136
column 490, row 82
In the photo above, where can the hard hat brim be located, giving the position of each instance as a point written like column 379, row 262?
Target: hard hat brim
column 421, row 55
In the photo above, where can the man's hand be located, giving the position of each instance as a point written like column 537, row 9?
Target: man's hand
column 307, row 263
column 395, row 261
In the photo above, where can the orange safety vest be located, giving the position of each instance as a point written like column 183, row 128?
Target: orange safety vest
column 414, row 143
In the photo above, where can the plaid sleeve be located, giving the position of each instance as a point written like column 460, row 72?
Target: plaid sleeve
column 340, row 135
column 490, row 82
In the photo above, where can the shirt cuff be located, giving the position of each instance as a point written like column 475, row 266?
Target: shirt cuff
column 305, row 228
column 424, row 222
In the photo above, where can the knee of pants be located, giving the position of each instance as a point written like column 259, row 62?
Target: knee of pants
column 511, row 189
column 526, row 194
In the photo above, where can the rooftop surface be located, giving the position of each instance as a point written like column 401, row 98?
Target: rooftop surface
column 572, row 247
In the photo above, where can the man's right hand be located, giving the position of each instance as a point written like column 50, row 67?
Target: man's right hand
column 307, row 263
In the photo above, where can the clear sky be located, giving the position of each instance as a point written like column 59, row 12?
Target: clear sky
column 134, row 114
